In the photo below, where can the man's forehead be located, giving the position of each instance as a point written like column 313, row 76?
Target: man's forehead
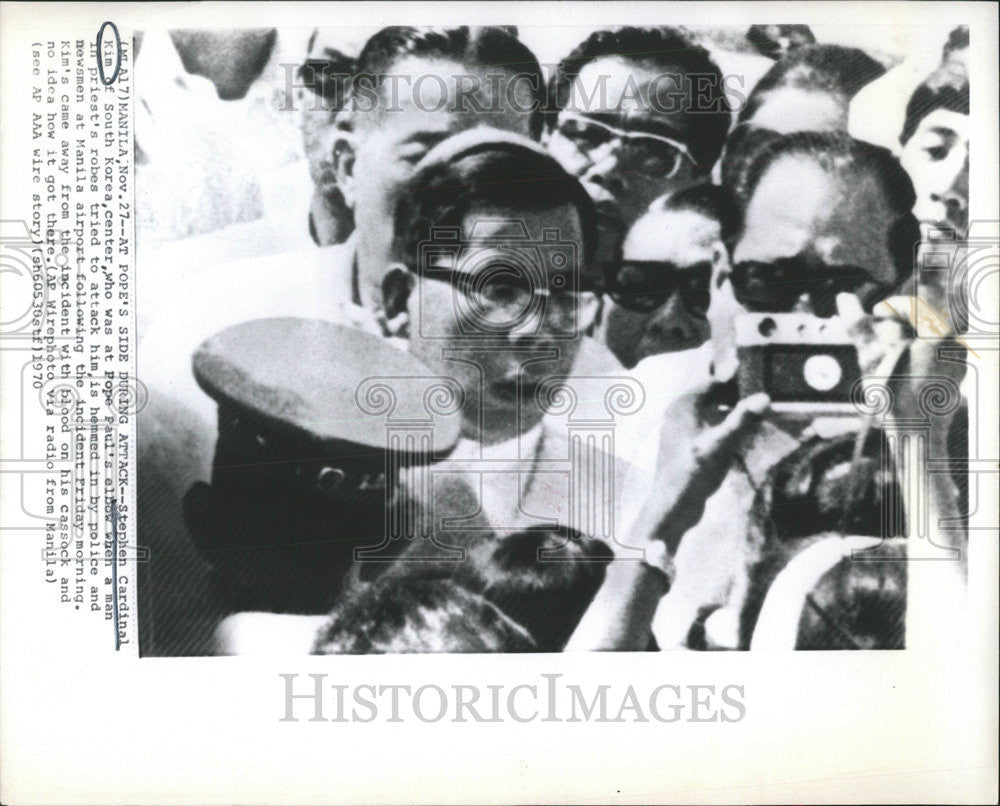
column 485, row 222
column 799, row 205
column 792, row 201
column 441, row 95
column 789, row 109
column 675, row 236
column 633, row 91
column 945, row 122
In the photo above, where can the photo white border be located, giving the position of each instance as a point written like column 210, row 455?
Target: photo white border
column 81, row 724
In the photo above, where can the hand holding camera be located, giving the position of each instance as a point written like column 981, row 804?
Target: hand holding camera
column 690, row 470
column 807, row 365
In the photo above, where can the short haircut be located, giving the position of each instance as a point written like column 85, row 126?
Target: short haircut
column 742, row 147
column 946, row 88
column 840, row 486
column 666, row 50
column 327, row 74
column 839, row 153
column 395, row 615
column 490, row 48
column 958, row 39
column 543, row 577
column 507, row 174
column 765, row 38
column 831, row 485
column 833, row 69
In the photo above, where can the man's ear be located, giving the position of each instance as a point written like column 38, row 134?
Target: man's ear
column 343, row 164
column 397, row 287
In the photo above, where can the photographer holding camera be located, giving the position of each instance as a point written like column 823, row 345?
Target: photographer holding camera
column 827, row 234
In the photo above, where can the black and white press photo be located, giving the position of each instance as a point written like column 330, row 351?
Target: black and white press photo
column 541, row 402
column 459, row 341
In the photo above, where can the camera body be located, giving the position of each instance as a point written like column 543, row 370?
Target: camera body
column 551, row 263
column 806, row 364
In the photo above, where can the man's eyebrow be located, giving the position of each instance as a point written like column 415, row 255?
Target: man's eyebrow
column 607, row 118
column 662, row 265
column 427, row 138
column 652, row 123
column 648, row 124
column 944, row 131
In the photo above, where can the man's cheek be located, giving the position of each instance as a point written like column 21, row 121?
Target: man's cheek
column 623, row 332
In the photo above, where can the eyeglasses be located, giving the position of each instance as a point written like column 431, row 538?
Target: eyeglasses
column 775, row 287
column 650, row 153
column 503, row 296
column 642, row 286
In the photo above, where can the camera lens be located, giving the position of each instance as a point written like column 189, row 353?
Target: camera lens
column 503, row 290
column 822, row 372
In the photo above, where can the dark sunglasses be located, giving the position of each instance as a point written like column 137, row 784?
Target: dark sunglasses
column 642, row 286
column 328, row 78
column 776, row 287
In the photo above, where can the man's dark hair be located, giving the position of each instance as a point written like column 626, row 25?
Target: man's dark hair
column 543, row 577
column 832, row 69
column 827, row 486
column 414, row 615
column 767, row 39
column 839, row 153
column 490, row 48
column 505, row 174
column 742, row 147
column 327, row 74
column 958, row 39
column 668, row 51
column 946, row 88
column 232, row 59
column 831, row 485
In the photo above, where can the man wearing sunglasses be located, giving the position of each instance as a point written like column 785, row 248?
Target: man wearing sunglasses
column 659, row 297
column 641, row 112
column 661, row 304
column 824, row 216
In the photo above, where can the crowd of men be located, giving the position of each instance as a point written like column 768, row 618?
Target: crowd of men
column 567, row 260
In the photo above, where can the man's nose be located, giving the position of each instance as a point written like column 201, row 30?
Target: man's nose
column 606, row 168
column 676, row 328
column 953, row 190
